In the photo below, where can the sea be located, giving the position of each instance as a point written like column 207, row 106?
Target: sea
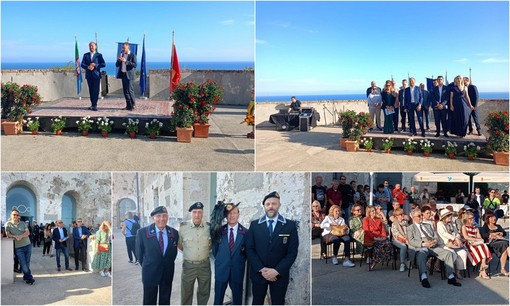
column 110, row 66
column 361, row 96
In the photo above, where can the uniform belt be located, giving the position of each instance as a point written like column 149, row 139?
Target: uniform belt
column 196, row 262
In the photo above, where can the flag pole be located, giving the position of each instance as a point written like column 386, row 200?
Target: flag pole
column 470, row 79
column 172, row 63
column 76, row 68
column 100, row 85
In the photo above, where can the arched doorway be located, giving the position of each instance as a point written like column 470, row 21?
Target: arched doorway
column 24, row 200
column 68, row 214
column 125, row 205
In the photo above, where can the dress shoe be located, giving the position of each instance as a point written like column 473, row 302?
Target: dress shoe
column 453, row 281
column 437, row 135
column 479, row 134
column 85, row 270
column 76, row 269
column 69, row 269
column 422, row 134
column 58, row 269
column 446, row 135
column 30, row 281
column 425, row 283
column 89, row 108
column 94, row 109
column 470, row 132
column 18, row 270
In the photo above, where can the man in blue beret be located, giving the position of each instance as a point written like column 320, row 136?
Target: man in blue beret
column 272, row 247
column 195, row 244
column 156, row 249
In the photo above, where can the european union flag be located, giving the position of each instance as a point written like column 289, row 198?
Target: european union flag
column 143, row 71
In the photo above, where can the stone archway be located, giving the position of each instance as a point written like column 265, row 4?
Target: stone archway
column 125, row 205
column 22, row 198
column 68, row 208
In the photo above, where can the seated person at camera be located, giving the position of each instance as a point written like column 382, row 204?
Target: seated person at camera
column 336, row 231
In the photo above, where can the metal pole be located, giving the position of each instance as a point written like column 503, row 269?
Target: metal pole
column 138, row 196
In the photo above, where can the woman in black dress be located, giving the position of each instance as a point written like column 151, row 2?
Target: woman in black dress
column 460, row 108
column 493, row 234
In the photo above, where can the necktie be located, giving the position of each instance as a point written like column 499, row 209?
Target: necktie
column 161, row 243
column 424, row 230
column 270, row 227
column 231, row 241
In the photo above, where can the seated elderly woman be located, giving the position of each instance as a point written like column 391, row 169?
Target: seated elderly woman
column 317, row 217
column 375, row 235
column 399, row 231
column 478, row 251
column 428, row 216
column 356, row 226
column 335, row 231
column 451, row 238
column 493, row 234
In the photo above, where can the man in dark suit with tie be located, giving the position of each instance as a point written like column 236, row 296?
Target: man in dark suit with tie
column 92, row 62
column 424, row 241
column 473, row 97
column 230, row 258
column 439, row 100
column 403, row 110
column 80, row 242
column 60, row 237
column 413, row 102
column 156, row 249
column 425, row 107
column 272, row 247
column 127, row 67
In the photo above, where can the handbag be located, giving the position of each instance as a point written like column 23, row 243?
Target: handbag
column 475, row 243
column 103, row 247
column 339, row 230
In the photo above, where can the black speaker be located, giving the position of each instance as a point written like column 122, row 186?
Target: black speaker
column 304, row 123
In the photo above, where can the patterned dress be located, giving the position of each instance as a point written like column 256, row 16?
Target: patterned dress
column 356, row 226
column 383, row 250
column 102, row 260
column 476, row 252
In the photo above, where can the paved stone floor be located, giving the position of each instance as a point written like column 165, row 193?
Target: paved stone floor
column 59, row 288
column 383, row 286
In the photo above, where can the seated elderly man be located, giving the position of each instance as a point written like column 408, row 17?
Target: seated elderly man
column 423, row 239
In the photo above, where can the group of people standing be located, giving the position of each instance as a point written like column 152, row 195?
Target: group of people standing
column 269, row 245
column 453, row 106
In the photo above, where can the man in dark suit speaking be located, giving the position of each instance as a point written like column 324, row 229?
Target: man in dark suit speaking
column 156, row 249
column 272, row 247
column 127, row 68
column 92, row 62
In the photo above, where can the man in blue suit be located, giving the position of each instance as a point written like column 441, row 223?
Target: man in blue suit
column 156, row 249
column 413, row 103
column 272, row 247
column 93, row 62
column 425, row 107
column 473, row 97
column 80, row 239
column 230, row 258
column 127, row 67
column 60, row 237
column 439, row 100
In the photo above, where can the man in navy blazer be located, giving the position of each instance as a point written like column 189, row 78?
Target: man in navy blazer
column 230, row 258
column 156, row 249
column 272, row 247
column 473, row 97
column 92, row 62
column 80, row 242
column 60, row 237
column 413, row 103
column 425, row 107
column 127, row 67
column 439, row 98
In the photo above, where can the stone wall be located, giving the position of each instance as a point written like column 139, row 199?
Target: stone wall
column 177, row 191
column 92, row 192
column 54, row 84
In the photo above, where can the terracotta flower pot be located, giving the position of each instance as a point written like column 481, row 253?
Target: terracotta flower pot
column 85, row 133
column 132, row 134
column 409, row 152
column 58, row 132
column 387, row 151
column 35, row 132
column 342, row 142
column 11, row 127
column 351, row 145
column 471, row 157
column 500, row 158
column 152, row 135
column 184, row 134
column 104, row 133
column 369, row 150
column 426, row 154
column 451, row 155
column 201, row 130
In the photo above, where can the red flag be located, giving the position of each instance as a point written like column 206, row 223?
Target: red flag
column 175, row 71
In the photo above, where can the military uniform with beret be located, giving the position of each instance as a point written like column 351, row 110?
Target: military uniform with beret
column 277, row 251
column 157, row 266
column 196, row 244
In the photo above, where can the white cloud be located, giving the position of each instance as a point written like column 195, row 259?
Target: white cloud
column 462, row 60
column 492, row 60
column 227, row 22
column 260, row 41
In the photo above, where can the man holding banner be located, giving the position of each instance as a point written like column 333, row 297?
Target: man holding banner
column 127, row 64
column 92, row 63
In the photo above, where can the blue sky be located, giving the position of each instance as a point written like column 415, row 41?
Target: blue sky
column 339, row 47
column 204, row 31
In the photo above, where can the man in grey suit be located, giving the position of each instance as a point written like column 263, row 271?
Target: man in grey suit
column 423, row 239
column 127, row 64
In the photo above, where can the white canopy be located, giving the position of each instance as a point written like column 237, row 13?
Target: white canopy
column 492, row 177
column 450, row 177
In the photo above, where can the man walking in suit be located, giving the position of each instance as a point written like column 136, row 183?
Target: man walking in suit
column 425, row 107
column 195, row 244
column 230, row 258
column 127, row 67
column 272, row 247
column 80, row 242
column 424, row 240
column 156, row 249
column 473, row 97
column 93, row 62
column 439, row 101
column 60, row 237
column 413, row 103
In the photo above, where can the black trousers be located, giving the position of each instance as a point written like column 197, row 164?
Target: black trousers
column 441, row 120
column 395, row 119
column 150, row 294
column 474, row 116
column 277, row 293
column 403, row 114
column 93, row 90
column 130, row 243
column 129, row 91
column 80, row 254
